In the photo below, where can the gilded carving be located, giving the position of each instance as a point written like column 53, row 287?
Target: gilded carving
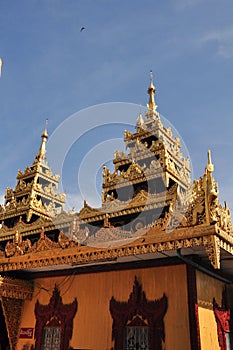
column 187, row 217
column 127, row 134
column 12, row 312
column 212, row 247
column 118, row 155
column 16, row 288
column 18, row 246
column 65, row 242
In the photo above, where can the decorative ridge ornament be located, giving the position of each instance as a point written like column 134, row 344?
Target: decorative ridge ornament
column 140, row 121
column 205, row 207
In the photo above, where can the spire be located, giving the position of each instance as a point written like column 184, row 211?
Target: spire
column 210, row 165
column 140, row 121
column 44, row 137
column 151, row 91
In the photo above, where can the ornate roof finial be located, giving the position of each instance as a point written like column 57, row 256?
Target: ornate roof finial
column 44, row 137
column 140, row 121
column 151, row 77
column 210, row 165
column 151, row 91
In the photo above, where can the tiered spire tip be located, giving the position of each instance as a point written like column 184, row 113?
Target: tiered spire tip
column 210, row 165
column 44, row 136
column 151, row 91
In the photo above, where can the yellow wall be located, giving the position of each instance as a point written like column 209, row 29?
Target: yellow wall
column 93, row 321
column 207, row 289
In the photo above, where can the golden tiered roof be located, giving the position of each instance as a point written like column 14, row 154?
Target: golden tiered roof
column 193, row 219
column 35, row 194
column 204, row 226
column 154, row 166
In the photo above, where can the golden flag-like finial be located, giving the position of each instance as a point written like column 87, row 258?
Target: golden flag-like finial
column 151, row 91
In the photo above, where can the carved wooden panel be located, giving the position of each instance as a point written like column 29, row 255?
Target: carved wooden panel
column 55, row 315
column 138, row 312
column 12, row 309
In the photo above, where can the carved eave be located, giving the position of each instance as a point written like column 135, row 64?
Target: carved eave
column 60, row 222
column 153, row 127
column 87, row 210
column 118, row 181
column 27, row 210
column 170, row 165
column 16, row 288
column 142, row 202
column 38, row 168
column 50, row 193
column 45, row 253
column 110, row 237
column 121, row 158
column 23, row 201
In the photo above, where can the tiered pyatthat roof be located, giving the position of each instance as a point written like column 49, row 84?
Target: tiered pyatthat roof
column 192, row 220
column 147, row 177
column 204, row 229
column 35, row 194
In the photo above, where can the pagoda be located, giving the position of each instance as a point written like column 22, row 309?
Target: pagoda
column 35, row 195
column 147, row 180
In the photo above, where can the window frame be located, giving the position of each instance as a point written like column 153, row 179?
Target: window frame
column 55, row 314
column 137, row 308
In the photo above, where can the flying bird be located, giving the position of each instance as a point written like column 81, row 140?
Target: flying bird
column 82, row 29
column 0, row 67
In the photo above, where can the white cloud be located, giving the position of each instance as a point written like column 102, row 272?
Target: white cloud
column 223, row 39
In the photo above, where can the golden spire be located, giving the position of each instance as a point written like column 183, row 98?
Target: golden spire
column 44, row 137
column 151, row 91
column 210, row 165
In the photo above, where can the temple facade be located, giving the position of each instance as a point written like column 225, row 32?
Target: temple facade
column 150, row 269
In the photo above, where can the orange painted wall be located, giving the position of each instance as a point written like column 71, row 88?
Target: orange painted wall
column 207, row 289
column 93, row 322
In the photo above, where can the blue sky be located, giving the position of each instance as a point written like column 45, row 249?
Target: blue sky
column 52, row 70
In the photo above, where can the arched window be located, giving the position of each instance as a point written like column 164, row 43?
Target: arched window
column 54, row 323
column 138, row 323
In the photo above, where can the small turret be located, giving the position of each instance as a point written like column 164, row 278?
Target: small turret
column 140, row 121
column 35, row 194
